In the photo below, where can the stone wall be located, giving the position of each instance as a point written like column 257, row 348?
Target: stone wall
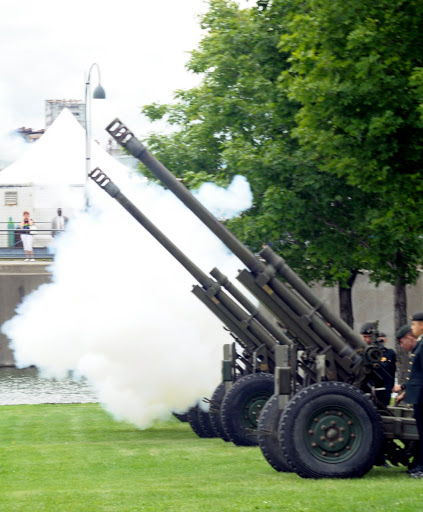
column 17, row 279
column 371, row 303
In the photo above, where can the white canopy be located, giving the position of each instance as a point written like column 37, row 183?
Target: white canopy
column 58, row 157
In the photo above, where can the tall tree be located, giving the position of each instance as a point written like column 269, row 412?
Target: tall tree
column 239, row 120
column 356, row 70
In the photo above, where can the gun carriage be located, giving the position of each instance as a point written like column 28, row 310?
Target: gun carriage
column 293, row 377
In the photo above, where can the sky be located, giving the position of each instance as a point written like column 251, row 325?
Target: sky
column 141, row 48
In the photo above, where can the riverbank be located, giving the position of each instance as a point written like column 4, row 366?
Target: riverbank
column 76, row 458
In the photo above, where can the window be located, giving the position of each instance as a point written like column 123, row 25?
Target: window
column 10, row 198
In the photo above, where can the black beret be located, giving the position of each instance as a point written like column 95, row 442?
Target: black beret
column 402, row 331
column 368, row 328
column 417, row 317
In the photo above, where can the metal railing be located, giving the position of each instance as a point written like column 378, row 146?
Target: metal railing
column 11, row 244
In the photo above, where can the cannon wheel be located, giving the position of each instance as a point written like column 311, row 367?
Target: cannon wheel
column 214, row 412
column 205, row 422
column 406, row 455
column 242, row 405
column 268, row 435
column 331, row 430
column 181, row 417
column 200, row 422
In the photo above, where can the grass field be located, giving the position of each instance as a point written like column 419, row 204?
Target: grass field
column 72, row 458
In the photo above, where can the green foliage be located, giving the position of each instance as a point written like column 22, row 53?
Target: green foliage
column 416, row 82
column 75, row 458
column 240, row 121
column 351, row 66
column 355, row 68
column 320, row 106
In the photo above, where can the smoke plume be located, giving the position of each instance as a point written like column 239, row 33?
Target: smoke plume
column 119, row 309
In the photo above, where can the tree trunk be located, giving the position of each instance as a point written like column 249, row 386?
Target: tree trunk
column 400, row 311
column 345, row 300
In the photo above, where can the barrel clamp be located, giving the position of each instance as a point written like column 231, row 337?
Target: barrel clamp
column 266, row 275
column 213, row 289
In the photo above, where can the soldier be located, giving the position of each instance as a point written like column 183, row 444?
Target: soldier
column 383, row 338
column 387, row 363
column 412, row 390
column 367, row 332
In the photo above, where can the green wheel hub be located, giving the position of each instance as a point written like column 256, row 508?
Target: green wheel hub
column 333, row 434
column 251, row 409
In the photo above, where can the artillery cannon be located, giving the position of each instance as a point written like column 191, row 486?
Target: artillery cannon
column 329, row 427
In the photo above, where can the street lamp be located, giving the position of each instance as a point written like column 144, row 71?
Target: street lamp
column 99, row 94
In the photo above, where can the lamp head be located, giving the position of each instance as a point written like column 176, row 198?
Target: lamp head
column 99, row 93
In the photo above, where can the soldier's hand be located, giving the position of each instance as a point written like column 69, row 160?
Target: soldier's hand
column 399, row 398
column 397, row 388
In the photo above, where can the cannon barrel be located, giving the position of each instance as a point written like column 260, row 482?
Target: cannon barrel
column 311, row 330
column 284, row 270
column 246, row 327
column 249, row 306
column 320, row 324
column 127, row 140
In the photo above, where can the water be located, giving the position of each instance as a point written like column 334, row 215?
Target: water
column 26, row 386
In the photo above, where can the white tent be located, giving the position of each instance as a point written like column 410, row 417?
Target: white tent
column 51, row 174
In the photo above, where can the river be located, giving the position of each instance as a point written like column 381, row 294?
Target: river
column 26, row 386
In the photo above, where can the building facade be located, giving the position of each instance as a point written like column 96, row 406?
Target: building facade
column 29, row 135
column 54, row 107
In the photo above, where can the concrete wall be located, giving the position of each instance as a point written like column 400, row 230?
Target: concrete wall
column 371, row 303
column 16, row 281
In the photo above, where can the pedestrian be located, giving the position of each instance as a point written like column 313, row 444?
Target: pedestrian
column 58, row 223
column 26, row 236
column 410, row 339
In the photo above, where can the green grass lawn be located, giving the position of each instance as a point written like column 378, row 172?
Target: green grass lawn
column 71, row 458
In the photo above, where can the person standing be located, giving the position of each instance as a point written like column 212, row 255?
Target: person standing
column 381, row 382
column 383, row 338
column 387, row 364
column 26, row 236
column 58, row 223
column 410, row 339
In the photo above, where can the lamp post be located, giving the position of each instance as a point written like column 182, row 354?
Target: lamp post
column 100, row 94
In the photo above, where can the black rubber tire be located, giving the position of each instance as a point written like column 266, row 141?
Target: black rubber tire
column 205, row 422
column 241, row 406
column 199, row 426
column 268, row 436
column 181, row 417
column 214, row 412
column 336, row 413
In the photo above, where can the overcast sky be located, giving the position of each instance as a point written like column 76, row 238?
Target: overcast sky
column 48, row 46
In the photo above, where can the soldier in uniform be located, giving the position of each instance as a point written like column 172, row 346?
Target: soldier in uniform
column 410, row 339
column 387, row 363
column 383, row 338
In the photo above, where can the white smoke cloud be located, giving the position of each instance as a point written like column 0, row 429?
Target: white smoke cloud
column 226, row 203
column 119, row 309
